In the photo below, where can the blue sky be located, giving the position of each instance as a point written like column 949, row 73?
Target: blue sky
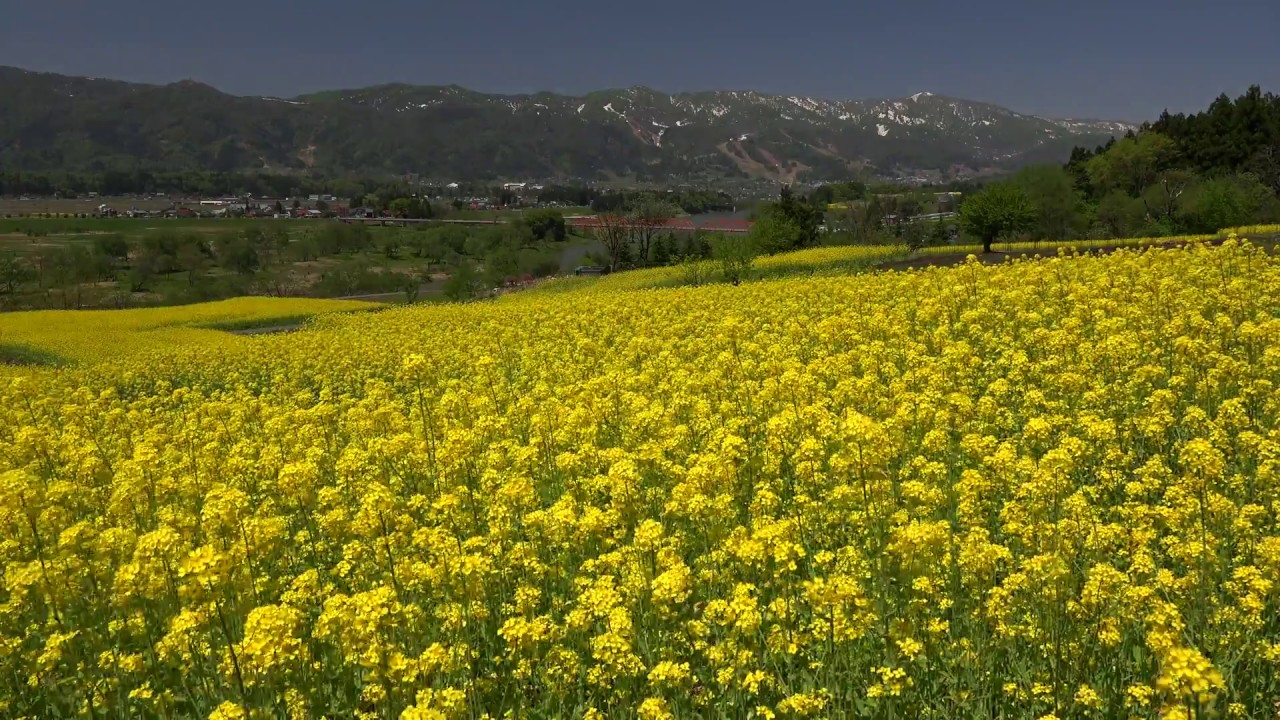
column 1114, row 59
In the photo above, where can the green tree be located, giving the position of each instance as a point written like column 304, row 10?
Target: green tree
column 1060, row 209
column 1229, row 201
column 13, row 272
column 695, row 245
column 275, row 244
column 801, row 213
column 614, row 234
column 391, row 244
column 237, row 253
column 735, row 254
column 193, row 257
column 664, row 249
column 1265, row 163
column 438, row 245
column 999, row 210
column 646, row 220
column 1132, row 164
column 75, row 266
column 1120, row 215
column 939, row 233
column 841, row 192
column 411, row 283
column 914, row 235
column 913, row 203
column 162, row 247
column 403, row 207
column 775, row 233
column 547, row 225
column 1163, row 200
column 863, row 220
column 342, row 238
column 112, row 245
column 463, row 282
column 142, row 272
column 1078, row 168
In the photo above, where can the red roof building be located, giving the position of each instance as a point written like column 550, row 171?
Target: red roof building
column 727, row 225
column 679, row 225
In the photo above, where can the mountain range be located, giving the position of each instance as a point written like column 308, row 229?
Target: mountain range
column 52, row 122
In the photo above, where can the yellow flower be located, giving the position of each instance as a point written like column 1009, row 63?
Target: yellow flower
column 654, row 709
column 1184, row 672
column 1088, row 697
column 270, row 638
column 228, row 711
column 802, row 705
column 910, row 648
column 667, row 674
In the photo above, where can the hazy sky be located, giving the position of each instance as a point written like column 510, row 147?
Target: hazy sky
column 1116, row 59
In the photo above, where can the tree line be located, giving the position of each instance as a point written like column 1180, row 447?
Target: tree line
column 172, row 266
column 1182, row 174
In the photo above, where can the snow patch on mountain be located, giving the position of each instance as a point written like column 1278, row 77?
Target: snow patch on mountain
column 804, row 103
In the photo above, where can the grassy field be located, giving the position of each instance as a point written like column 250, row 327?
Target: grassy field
column 32, row 235
column 290, row 257
column 1034, row 489
column 288, row 260
column 78, row 206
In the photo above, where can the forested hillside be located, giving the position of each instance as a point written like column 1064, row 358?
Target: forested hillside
column 54, row 123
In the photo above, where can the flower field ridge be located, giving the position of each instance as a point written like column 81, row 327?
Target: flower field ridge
column 95, row 335
column 1035, row 489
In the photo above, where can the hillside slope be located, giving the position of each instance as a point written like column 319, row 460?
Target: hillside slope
column 55, row 122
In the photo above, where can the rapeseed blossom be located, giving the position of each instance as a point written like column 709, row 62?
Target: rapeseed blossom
column 1041, row 489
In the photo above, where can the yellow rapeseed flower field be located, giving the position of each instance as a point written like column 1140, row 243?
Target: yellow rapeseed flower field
column 1035, row 489
column 810, row 261
column 88, row 335
column 1253, row 231
column 1051, row 247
